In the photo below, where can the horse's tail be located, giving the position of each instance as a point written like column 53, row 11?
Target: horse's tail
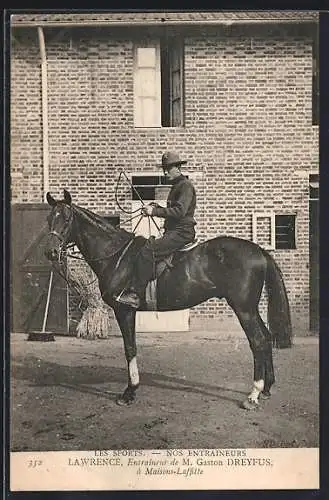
column 278, row 312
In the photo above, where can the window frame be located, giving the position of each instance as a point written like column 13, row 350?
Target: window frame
column 263, row 215
column 170, row 47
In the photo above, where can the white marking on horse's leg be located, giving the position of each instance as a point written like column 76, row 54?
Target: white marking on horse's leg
column 133, row 371
column 256, row 390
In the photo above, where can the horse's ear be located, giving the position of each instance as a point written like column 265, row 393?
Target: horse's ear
column 67, row 197
column 51, row 200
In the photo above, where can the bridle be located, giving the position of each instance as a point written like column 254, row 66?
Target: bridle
column 63, row 243
column 60, row 265
column 63, row 239
column 56, row 234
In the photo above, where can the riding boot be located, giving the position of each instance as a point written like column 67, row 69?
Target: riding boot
column 143, row 273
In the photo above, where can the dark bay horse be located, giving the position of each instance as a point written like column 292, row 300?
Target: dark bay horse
column 223, row 267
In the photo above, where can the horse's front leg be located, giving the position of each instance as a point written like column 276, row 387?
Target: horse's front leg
column 126, row 319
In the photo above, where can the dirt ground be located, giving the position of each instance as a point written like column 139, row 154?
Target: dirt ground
column 63, row 394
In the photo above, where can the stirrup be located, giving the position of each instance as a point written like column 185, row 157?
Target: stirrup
column 128, row 298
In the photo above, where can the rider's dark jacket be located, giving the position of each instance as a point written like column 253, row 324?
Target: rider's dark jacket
column 181, row 203
column 179, row 230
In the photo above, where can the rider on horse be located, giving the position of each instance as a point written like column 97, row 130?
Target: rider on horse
column 178, row 229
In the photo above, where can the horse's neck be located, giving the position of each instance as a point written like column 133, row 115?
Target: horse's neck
column 97, row 244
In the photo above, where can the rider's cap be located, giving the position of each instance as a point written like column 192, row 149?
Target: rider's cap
column 171, row 159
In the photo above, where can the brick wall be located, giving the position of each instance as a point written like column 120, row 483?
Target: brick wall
column 26, row 121
column 248, row 133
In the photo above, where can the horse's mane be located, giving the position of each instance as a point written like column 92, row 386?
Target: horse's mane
column 101, row 223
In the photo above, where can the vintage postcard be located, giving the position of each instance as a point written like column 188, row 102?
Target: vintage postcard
column 164, row 250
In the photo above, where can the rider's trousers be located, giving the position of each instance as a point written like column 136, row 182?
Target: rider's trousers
column 156, row 250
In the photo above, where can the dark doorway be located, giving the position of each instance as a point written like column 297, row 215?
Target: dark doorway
column 30, row 273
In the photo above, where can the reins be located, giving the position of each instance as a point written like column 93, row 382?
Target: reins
column 125, row 246
column 121, row 174
column 101, row 258
column 98, row 259
column 64, row 247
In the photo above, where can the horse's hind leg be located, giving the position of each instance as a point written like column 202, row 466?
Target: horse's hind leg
column 269, row 369
column 126, row 319
column 261, row 349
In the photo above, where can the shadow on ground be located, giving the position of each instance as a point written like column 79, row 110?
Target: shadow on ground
column 42, row 373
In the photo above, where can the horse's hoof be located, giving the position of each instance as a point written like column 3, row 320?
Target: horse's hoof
column 264, row 395
column 124, row 402
column 249, row 404
column 127, row 398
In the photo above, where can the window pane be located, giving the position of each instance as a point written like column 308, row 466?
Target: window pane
column 151, row 180
column 176, row 75
column 146, row 193
column 149, row 110
column 146, row 83
column 285, row 231
column 176, row 85
column 146, row 57
column 165, row 85
column 176, row 113
column 175, row 57
column 147, row 91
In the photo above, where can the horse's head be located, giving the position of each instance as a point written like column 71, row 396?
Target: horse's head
column 60, row 221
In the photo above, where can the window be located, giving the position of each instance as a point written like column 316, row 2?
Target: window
column 285, row 232
column 315, row 84
column 158, row 83
column 150, row 187
column 274, row 231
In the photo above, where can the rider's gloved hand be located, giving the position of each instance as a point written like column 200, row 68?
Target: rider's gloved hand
column 147, row 210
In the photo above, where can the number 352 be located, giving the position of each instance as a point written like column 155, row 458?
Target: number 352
column 34, row 463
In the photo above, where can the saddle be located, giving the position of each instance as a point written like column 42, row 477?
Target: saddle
column 168, row 262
